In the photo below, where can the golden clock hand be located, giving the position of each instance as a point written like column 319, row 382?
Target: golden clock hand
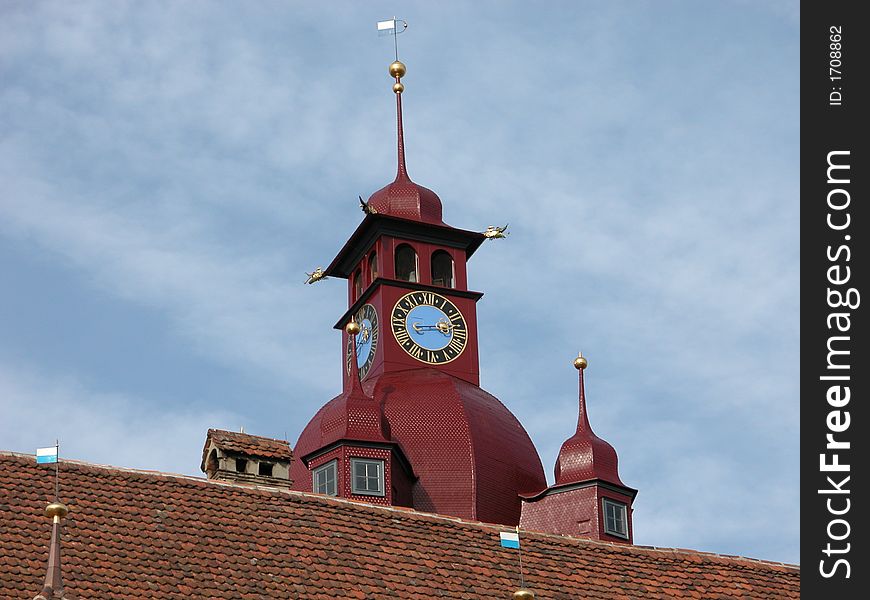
column 441, row 326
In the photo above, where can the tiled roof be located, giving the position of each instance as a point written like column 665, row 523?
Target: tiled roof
column 253, row 445
column 135, row 534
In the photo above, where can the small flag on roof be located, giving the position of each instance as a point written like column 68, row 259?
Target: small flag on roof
column 46, row 455
column 510, row 539
column 391, row 26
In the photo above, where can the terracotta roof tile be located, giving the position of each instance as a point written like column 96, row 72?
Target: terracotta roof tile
column 245, row 443
column 134, row 534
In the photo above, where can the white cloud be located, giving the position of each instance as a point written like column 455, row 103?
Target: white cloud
column 101, row 426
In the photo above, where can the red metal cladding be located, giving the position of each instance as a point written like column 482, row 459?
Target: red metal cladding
column 585, row 456
column 577, row 512
column 470, row 454
column 404, row 198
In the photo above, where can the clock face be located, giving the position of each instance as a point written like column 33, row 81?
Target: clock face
column 429, row 327
column 366, row 340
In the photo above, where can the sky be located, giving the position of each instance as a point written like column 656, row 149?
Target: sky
column 170, row 170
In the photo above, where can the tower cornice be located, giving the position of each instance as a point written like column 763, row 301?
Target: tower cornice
column 376, row 225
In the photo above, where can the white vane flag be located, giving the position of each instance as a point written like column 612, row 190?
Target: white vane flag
column 391, row 26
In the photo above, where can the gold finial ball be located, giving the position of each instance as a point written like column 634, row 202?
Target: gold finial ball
column 524, row 594
column 398, row 69
column 56, row 509
column 580, row 362
column 352, row 328
column 398, row 88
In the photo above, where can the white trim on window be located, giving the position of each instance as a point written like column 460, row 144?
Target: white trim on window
column 367, row 476
column 324, row 479
column 615, row 518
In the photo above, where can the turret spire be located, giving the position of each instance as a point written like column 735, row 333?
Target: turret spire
column 52, row 589
column 364, row 418
column 585, row 456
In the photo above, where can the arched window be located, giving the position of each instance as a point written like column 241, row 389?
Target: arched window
column 373, row 266
column 357, row 284
column 442, row 269
column 406, row 263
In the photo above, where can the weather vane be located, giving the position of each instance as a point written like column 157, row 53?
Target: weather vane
column 391, row 27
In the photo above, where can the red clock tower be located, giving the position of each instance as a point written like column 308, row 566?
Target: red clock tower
column 412, row 426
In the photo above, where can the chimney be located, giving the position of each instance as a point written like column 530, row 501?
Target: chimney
column 243, row 458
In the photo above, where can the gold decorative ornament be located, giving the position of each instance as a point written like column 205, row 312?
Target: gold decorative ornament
column 56, row 511
column 398, row 88
column 580, row 362
column 352, row 328
column 315, row 276
column 494, row 233
column 524, row 594
column 398, row 69
column 367, row 208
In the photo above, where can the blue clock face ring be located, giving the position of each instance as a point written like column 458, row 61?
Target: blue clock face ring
column 366, row 340
column 429, row 327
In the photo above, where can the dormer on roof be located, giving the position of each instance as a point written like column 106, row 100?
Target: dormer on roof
column 243, row 458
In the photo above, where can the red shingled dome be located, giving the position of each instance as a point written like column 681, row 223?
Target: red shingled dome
column 472, row 457
column 404, row 198
column 585, row 456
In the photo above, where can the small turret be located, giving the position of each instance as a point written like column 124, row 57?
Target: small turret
column 588, row 498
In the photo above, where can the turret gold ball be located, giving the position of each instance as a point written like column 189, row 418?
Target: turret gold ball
column 398, row 69
column 56, row 509
column 352, row 328
column 524, row 594
column 580, row 362
column 398, row 88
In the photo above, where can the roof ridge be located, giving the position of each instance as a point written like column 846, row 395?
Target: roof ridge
column 245, row 433
column 406, row 512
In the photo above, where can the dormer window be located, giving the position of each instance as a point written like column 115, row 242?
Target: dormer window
column 241, row 465
column 265, row 469
column 367, row 477
column 615, row 518
column 406, row 263
column 442, row 269
column 325, row 479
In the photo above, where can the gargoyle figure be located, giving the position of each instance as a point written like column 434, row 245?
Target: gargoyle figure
column 369, row 210
column 493, row 233
column 316, row 276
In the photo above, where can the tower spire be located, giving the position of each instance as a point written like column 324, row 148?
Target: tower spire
column 52, row 589
column 403, row 198
column 397, row 71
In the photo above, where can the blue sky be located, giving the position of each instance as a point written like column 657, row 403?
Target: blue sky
column 169, row 171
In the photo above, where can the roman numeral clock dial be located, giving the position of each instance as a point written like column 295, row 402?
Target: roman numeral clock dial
column 429, row 327
column 366, row 340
